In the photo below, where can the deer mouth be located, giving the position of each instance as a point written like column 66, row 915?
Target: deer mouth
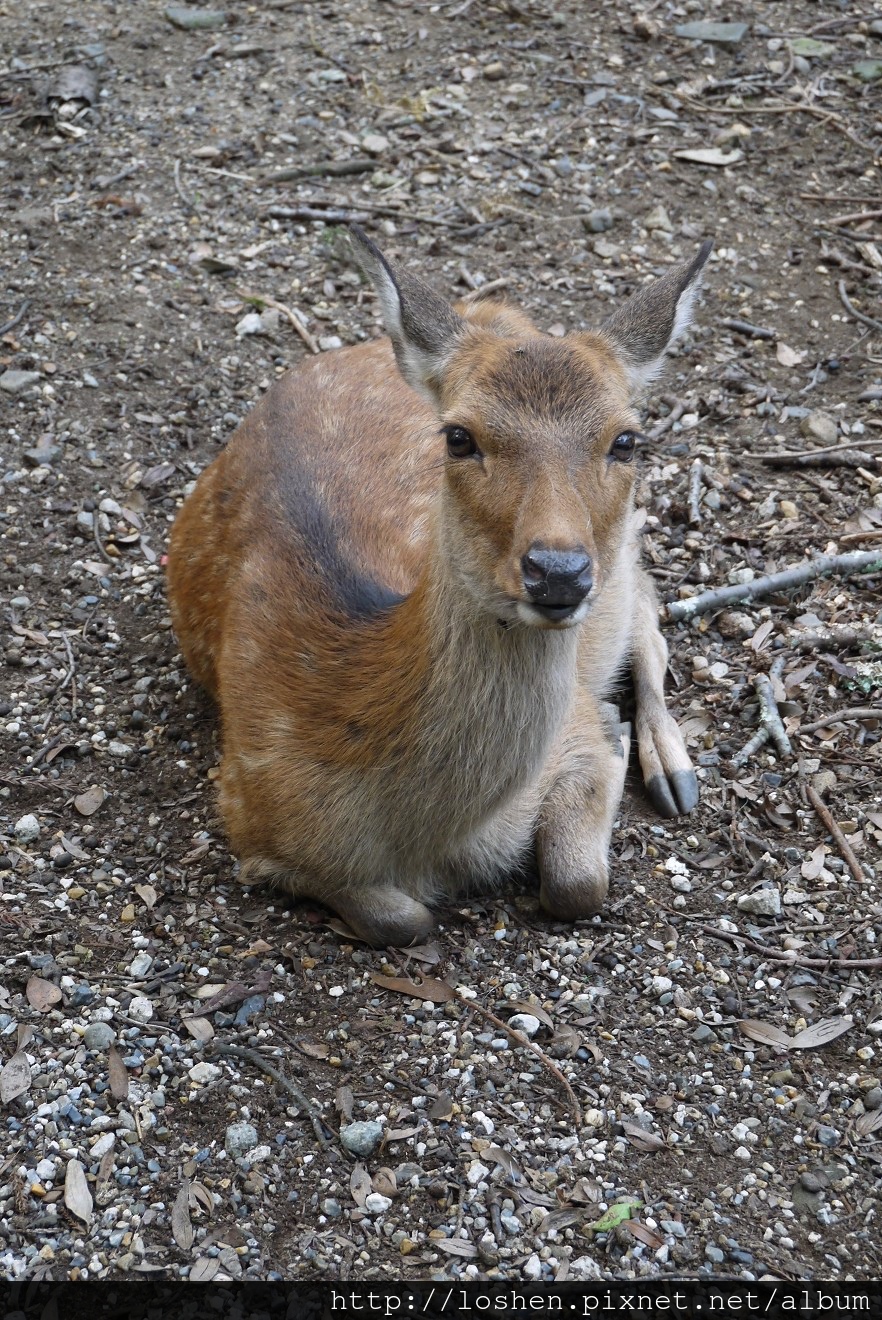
column 552, row 616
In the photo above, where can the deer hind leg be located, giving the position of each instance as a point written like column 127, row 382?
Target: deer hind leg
column 667, row 770
column 381, row 915
column 575, row 827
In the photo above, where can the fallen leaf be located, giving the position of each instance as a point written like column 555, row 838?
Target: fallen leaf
column 88, row 803
column 117, row 1074
column 756, row 641
column 429, row 954
column 201, row 1197
column 442, row 1109
column 15, row 1077
column 75, row 82
column 105, row 1183
column 822, row 1033
column 764, row 1034
column 561, row 1219
column 182, row 1229
column 343, row 1102
column 615, row 1215
column 586, row 1191
column 787, row 356
column 340, row 928
column 456, row 1247
column 77, row 1196
column 199, row 1028
column 398, row 1134
column 522, row 1006
column 866, row 1124
column 258, row 947
column 314, row 1049
column 709, row 156
column 203, row 1270
column 644, row 1233
column 385, row 1182
column 811, row 869
column 505, row 1161
column 565, row 1043
column 147, row 895
column 436, row 992
column 643, row 1140
column 41, row 994
column 360, row 1185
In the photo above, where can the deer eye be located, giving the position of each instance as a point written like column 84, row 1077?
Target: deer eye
column 624, row 447
column 460, row 442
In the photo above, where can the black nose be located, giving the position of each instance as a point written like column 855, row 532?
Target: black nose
column 557, row 577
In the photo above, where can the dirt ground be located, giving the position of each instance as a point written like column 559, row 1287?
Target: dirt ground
column 720, row 1024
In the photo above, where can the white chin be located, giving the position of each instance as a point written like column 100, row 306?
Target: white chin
column 530, row 615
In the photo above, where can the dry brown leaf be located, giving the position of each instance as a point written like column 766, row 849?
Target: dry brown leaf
column 398, row 1134
column 105, row 1183
column 117, row 1074
column 436, row 992
column 314, row 1049
column 456, row 1247
column 201, row 1196
column 344, row 1101
column 787, row 356
column 565, row 1043
column 77, row 1196
column 258, row 947
column 643, row 1233
column 340, row 928
column 709, row 156
column 643, row 1140
column 821, row 1033
column 385, row 1182
column 360, row 1185
column 535, row 1010
column 88, row 803
column 505, row 1161
column 761, row 635
column 429, row 954
column 866, row 1124
column 811, row 869
column 147, row 895
column 15, row 1077
column 199, row 1028
column 586, row 1191
column 182, row 1229
column 203, row 1270
column 764, row 1033
column 41, row 994
column 442, row 1109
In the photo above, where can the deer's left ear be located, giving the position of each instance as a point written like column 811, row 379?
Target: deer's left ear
column 651, row 320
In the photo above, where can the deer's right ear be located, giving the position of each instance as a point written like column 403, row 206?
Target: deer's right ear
column 424, row 329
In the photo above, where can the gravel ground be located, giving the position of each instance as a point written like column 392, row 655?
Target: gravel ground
column 717, row 1031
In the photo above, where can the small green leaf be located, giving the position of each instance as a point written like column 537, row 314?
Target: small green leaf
column 616, row 1214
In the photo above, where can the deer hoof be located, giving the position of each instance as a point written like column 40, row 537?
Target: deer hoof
column 675, row 794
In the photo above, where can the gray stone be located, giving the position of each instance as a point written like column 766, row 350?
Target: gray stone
column 813, row 1182
column 526, row 1023
column 763, row 903
column 715, row 1254
column 27, row 829
column 362, row 1138
column 720, row 34
column 18, row 382
column 868, row 70
column 195, row 20
column 820, row 426
column 704, row 1034
column 873, row 1099
column 828, row 1136
column 239, row 1139
column 98, row 1036
column 597, row 222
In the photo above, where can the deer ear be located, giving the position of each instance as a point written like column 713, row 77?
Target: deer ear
column 653, row 318
column 424, row 329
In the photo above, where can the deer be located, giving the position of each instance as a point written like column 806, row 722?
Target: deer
column 411, row 582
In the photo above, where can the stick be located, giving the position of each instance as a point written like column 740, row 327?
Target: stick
column 842, row 456
column 853, row 311
column 837, row 634
column 782, row 454
column 759, row 740
column 331, row 168
column 179, row 188
column 845, row 850
column 677, row 407
column 854, row 218
column 735, row 937
column 696, row 473
column 10, row 325
column 822, row 566
column 745, row 328
column 330, row 217
column 253, row 1056
column 492, row 286
column 301, row 329
column 531, row 1045
column 850, row 713
column 770, row 716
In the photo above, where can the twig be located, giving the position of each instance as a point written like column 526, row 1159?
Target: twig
column 69, row 676
column 786, row 455
column 759, row 740
column 856, row 538
column 837, row 634
column 853, row 311
column 328, row 215
column 255, row 1057
column 849, row 713
column 677, row 407
column 330, row 168
column 854, row 218
column 853, row 562
column 841, row 456
column 745, row 328
column 285, row 311
column 492, row 286
column 530, row 1045
column 96, row 536
column 696, row 473
column 10, row 325
column 793, row 959
column 845, row 850
column 770, row 716
column 179, row 188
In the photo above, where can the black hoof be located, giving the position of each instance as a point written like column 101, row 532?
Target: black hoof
column 686, row 789
column 676, row 795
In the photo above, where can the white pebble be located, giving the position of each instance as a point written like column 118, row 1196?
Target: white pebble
column 204, row 1073
column 377, row 1204
column 27, row 830
column 526, row 1023
column 141, row 1009
column 477, row 1173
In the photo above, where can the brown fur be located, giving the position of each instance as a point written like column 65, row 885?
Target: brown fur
column 353, row 599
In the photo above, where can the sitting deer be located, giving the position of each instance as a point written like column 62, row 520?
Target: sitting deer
column 411, row 593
